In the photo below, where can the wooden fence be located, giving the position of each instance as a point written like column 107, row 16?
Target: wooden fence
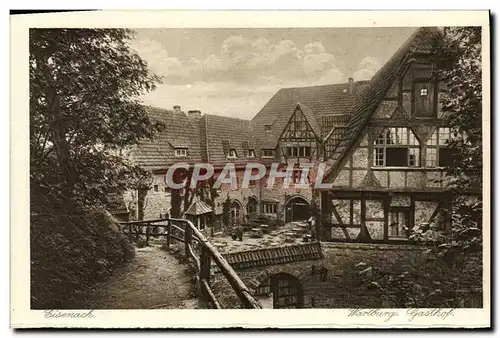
column 184, row 231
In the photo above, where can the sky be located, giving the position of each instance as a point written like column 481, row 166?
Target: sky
column 234, row 72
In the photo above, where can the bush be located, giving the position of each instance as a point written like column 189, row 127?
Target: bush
column 71, row 249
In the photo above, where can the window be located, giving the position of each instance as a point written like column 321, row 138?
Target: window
column 268, row 153
column 424, row 99
column 438, row 154
column 298, row 151
column 397, row 147
column 269, row 208
column 232, row 154
column 180, row 152
column 267, row 127
column 251, row 153
column 399, row 222
column 167, row 189
column 155, row 188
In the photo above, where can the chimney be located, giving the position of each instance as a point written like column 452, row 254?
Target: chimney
column 194, row 114
column 352, row 86
column 177, row 109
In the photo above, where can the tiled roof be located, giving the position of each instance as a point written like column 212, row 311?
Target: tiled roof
column 370, row 98
column 322, row 100
column 274, row 255
column 198, row 208
column 180, row 131
column 236, row 133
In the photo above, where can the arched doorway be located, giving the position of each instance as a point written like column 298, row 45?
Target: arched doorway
column 235, row 211
column 252, row 206
column 297, row 209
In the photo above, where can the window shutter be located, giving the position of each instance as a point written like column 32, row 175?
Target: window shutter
column 445, row 157
column 397, row 157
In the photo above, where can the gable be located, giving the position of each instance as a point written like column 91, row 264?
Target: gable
column 379, row 92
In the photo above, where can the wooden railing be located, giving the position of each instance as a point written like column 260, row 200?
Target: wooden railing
column 184, row 231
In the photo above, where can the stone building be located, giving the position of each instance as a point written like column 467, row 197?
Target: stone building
column 383, row 140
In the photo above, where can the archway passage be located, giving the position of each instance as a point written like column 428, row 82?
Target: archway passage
column 252, row 206
column 235, row 210
column 297, row 209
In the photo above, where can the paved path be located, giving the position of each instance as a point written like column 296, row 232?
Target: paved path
column 154, row 279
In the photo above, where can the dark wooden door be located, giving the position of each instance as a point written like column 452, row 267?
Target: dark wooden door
column 287, row 292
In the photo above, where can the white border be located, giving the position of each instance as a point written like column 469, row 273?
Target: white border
column 22, row 316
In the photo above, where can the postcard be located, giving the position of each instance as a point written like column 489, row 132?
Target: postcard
column 250, row 169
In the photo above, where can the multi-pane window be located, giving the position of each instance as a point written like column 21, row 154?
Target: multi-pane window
column 251, row 153
column 180, row 152
column 438, row 154
column 269, row 208
column 268, row 153
column 399, row 223
column 423, row 91
column 397, row 147
column 298, row 151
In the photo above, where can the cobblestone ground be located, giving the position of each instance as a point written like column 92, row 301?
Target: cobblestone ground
column 290, row 233
column 154, row 279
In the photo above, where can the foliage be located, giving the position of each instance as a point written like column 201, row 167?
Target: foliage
column 70, row 249
column 463, row 106
column 85, row 111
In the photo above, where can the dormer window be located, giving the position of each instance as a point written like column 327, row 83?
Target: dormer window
column 251, row 153
column 180, row 152
column 267, row 127
column 232, row 154
column 268, row 153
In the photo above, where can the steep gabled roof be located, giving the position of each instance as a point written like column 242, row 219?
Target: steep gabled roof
column 198, row 208
column 180, row 132
column 309, row 114
column 323, row 100
column 370, row 98
column 236, row 133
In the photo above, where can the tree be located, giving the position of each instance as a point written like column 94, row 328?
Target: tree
column 463, row 106
column 85, row 111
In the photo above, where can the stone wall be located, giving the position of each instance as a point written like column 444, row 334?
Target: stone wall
column 345, row 287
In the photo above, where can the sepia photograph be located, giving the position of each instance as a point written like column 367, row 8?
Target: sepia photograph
column 258, row 168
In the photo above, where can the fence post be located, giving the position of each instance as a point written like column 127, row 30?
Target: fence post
column 188, row 233
column 169, row 232
column 205, row 262
column 147, row 233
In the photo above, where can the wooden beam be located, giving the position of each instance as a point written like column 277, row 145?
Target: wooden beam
column 341, row 223
column 387, row 205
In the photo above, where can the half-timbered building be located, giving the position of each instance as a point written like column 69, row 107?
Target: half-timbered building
column 388, row 168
